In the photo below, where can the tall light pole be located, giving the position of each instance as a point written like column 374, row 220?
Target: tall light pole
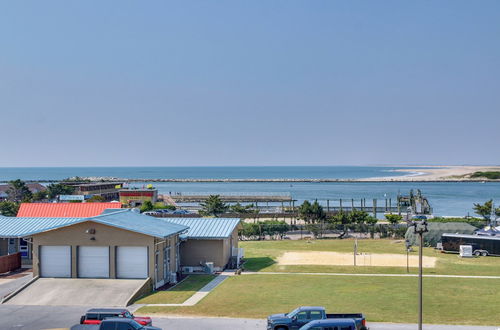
column 420, row 227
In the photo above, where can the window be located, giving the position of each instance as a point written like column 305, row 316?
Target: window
column 124, row 326
column 316, row 315
column 302, row 316
column 107, row 315
column 107, row 326
column 92, row 316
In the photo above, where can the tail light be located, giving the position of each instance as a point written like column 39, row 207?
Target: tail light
column 363, row 322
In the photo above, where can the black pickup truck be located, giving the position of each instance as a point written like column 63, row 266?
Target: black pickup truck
column 117, row 323
column 305, row 314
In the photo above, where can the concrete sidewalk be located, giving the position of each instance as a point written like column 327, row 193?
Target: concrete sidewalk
column 372, row 275
column 8, row 286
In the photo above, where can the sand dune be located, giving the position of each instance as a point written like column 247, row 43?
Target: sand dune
column 438, row 173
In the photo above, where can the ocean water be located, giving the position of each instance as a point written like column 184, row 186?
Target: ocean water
column 446, row 198
column 229, row 172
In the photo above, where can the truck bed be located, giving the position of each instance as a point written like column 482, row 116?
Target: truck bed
column 345, row 316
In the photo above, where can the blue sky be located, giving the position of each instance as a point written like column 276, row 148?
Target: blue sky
column 89, row 83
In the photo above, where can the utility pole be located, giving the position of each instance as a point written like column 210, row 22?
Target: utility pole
column 355, row 250
column 420, row 227
column 408, row 246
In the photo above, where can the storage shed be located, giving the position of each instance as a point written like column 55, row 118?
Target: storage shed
column 208, row 240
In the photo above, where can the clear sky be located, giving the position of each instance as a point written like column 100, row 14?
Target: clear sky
column 89, row 83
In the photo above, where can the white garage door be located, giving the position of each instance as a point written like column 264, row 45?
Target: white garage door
column 93, row 261
column 132, row 262
column 55, row 261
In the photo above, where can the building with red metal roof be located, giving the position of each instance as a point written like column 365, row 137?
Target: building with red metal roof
column 64, row 210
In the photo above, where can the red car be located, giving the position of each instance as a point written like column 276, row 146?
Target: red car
column 96, row 315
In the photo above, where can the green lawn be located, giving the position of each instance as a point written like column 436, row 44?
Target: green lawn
column 381, row 299
column 262, row 256
column 179, row 293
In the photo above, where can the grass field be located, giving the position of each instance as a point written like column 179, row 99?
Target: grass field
column 179, row 293
column 263, row 255
column 381, row 299
column 387, row 299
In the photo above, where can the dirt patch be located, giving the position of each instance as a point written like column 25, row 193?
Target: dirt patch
column 347, row 259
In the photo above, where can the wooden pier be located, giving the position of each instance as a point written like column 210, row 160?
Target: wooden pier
column 182, row 198
column 283, row 205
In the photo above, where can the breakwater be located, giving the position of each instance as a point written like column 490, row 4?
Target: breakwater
column 263, row 180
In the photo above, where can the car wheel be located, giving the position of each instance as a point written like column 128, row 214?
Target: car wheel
column 281, row 328
column 484, row 253
column 477, row 253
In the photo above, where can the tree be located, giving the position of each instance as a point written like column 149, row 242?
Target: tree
column 484, row 210
column 8, row 208
column 96, row 199
column 251, row 230
column 359, row 217
column 274, row 228
column 342, row 218
column 393, row 218
column 40, row 195
column 213, row 206
column 76, row 179
column 18, row 191
column 371, row 220
column 147, row 206
column 56, row 189
column 238, row 208
column 311, row 213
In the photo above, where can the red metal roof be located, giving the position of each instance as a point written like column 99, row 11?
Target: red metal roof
column 64, row 210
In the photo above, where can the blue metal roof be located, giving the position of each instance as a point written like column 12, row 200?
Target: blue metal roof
column 11, row 227
column 206, row 228
column 129, row 220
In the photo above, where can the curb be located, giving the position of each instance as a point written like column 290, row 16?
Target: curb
column 21, row 288
column 135, row 295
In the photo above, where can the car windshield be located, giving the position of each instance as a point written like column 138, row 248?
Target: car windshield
column 294, row 312
column 136, row 325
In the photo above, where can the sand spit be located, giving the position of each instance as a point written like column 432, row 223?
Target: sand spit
column 440, row 173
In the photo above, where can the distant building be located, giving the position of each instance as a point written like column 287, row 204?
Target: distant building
column 107, row 190
column 64, row 210
column 33, row 187
column 137, row 197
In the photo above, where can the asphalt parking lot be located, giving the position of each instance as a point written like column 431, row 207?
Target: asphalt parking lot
column 49, row 317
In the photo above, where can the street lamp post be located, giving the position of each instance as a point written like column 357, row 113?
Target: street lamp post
column 420, row 227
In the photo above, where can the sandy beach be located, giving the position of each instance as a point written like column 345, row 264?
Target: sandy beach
column 438, row 173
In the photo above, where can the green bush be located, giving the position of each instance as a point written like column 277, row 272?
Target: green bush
column 273, row 228
column 492, row 175
column 476, row 222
